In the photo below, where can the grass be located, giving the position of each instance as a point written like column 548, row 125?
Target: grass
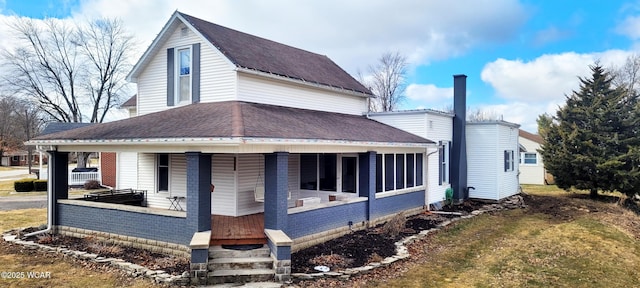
column 522, row 248
column 6, row 189
column 64, row 272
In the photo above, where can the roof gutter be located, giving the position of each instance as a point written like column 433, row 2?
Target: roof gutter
column 303, row 82
column 225, row 141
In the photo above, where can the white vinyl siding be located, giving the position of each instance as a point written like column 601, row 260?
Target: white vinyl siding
column 178, row 174
column 216, row 74
column 127, row 170
column 147, row 181
column 223, row 199
column 281, row 93
column 250, row 175
column 486, row 146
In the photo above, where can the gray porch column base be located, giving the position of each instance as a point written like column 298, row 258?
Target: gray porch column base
column 199, row 257
column 280, row 246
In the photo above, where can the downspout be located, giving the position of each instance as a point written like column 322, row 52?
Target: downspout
column 426, row 177
column 50, row 201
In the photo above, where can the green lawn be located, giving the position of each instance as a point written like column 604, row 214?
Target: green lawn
column 575, row 242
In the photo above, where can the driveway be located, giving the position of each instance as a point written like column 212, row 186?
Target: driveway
column 22, row 202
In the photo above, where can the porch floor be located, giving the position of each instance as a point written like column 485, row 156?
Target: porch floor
column 242, row 230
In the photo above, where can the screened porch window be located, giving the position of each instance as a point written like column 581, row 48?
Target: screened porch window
column 318, row 168
column 398, row 171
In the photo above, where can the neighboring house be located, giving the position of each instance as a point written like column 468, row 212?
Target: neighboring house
column 19, row 158
column 131, row 105
column 531, row 166
column 231, row 127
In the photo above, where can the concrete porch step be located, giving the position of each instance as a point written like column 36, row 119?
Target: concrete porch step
column 240, row 276
column 240, row 263
column 219, row 252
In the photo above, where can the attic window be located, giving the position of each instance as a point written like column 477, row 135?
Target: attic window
column 184, row 32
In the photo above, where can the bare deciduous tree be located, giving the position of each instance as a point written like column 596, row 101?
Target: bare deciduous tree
column 387, row 81
column 69, row 70
column 479, row 115
column 627, row 76
column 73, row 73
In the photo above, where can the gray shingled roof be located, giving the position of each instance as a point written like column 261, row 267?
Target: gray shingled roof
column 255, row 53
column 242, row 119
column 55, row 127
column 131, row 102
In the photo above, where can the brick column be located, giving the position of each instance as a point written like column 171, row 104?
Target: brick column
column 276, row 190
column 58, row 171
column 198, row 191
column 367, row 179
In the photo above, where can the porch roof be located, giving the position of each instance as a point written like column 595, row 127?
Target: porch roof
column 236, row 119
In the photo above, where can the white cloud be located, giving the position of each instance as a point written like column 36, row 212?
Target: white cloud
column 430, row 94
column 540, row 85
column 522, row 113
column 352, row 33
column 630, row 27
column 548, row 77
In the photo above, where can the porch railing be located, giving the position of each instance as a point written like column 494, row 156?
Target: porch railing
column 76, row 178
column 79, row 178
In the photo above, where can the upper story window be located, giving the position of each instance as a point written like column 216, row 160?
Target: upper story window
column 183, row 87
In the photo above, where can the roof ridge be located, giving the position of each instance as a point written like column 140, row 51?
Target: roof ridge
column 244, row 33
column 237, row 121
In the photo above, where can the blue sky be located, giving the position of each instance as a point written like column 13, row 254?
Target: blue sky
column 521, row 57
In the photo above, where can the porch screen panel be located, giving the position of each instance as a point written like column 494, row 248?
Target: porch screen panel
column 389, row 163
column 327, row 172
column 410, row 172
column 399, row 171
column 419, row 169
column 308, row 171
column 379, row 173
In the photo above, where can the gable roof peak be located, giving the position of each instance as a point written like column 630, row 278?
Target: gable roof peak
column 251, row 54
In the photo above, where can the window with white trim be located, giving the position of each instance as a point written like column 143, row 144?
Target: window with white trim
column 163, row 172
column 183, row 75
column 443, row 156
column 508, row 160
column 529, row 158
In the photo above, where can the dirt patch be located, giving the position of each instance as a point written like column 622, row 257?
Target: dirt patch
column 171, row 264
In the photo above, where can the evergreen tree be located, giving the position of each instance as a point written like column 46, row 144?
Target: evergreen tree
column 592, row 143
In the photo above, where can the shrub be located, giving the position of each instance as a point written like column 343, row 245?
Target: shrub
column 23, row 185
column 92, row 184
column 395, row 226
column 40, row 185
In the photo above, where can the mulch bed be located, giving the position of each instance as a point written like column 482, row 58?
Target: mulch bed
column 359, row 248
column 171, row 264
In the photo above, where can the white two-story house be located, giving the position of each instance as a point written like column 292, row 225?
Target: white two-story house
column 230, row 127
